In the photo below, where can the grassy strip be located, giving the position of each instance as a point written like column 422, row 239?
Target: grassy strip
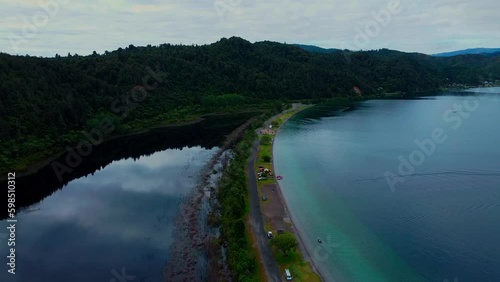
column 300, row 268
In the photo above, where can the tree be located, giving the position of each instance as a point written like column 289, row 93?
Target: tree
column 266, row 158
column 285, row 243
column 265, row 140
column 278, row 106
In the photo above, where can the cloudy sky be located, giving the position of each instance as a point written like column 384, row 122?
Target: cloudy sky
column 47, row 27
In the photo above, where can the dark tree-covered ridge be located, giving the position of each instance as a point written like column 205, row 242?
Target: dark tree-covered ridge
column 46, row 103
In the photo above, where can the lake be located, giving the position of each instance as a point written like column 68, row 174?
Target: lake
column 398, row 190
column 117, row 217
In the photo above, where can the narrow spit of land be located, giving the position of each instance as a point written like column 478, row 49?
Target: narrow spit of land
column 271, row 214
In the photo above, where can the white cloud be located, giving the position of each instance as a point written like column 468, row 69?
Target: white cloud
column 82, row 27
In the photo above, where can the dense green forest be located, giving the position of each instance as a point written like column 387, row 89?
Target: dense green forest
column 48, row 103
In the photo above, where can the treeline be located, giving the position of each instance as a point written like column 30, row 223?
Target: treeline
column 46, row 103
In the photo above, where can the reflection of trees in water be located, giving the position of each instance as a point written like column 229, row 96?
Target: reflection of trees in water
column 208, row 134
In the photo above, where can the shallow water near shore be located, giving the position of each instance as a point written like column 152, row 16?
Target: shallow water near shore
column 438, row 223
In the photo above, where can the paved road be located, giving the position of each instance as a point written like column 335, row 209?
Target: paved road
column 270, row 266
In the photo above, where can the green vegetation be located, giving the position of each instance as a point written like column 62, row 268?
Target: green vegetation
column 282, row 118
column 211, row 102
column 300, row 269
column 232, row 196
column 266, row 158
column 285, row 243
column 266, row 140
column 48, row 103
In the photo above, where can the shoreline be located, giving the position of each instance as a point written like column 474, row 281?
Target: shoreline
column 273, row 218
column 306, row 254
column 273, row 215
column 193, row 235
column 35, row 166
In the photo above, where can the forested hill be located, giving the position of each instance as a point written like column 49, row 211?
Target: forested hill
column 47, row 102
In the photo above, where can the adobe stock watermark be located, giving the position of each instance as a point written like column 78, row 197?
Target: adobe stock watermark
column 31, row 26
column 224, row 6
column 121, row 277
column 372, row 28
column 121, row 106
column 454, row 117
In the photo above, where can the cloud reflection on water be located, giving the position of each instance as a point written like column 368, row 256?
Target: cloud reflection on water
column 119, row 216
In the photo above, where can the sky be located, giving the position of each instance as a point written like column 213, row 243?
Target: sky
column 49, row 27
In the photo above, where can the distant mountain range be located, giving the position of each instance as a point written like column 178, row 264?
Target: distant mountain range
column 473, row 51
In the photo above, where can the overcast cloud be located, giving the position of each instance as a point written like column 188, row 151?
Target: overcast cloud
column 426, row 26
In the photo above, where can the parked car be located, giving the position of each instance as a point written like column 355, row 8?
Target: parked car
column 270, row 235
column 281, row 231
column 288, row 275
column 262, row 178
column 264, row 198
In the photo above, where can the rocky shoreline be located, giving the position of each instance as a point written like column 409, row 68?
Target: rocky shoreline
column 196, row 254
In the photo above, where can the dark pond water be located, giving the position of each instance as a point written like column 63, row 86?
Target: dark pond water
column 434, row 218
column 112, row 218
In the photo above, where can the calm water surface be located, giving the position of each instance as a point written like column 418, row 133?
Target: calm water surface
column 441, row 221
column 114, row 217
column 120, row 217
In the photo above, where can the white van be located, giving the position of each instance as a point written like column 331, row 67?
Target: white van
column 288, row 276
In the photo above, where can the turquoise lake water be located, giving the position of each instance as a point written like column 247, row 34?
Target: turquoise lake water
column 398, row 190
